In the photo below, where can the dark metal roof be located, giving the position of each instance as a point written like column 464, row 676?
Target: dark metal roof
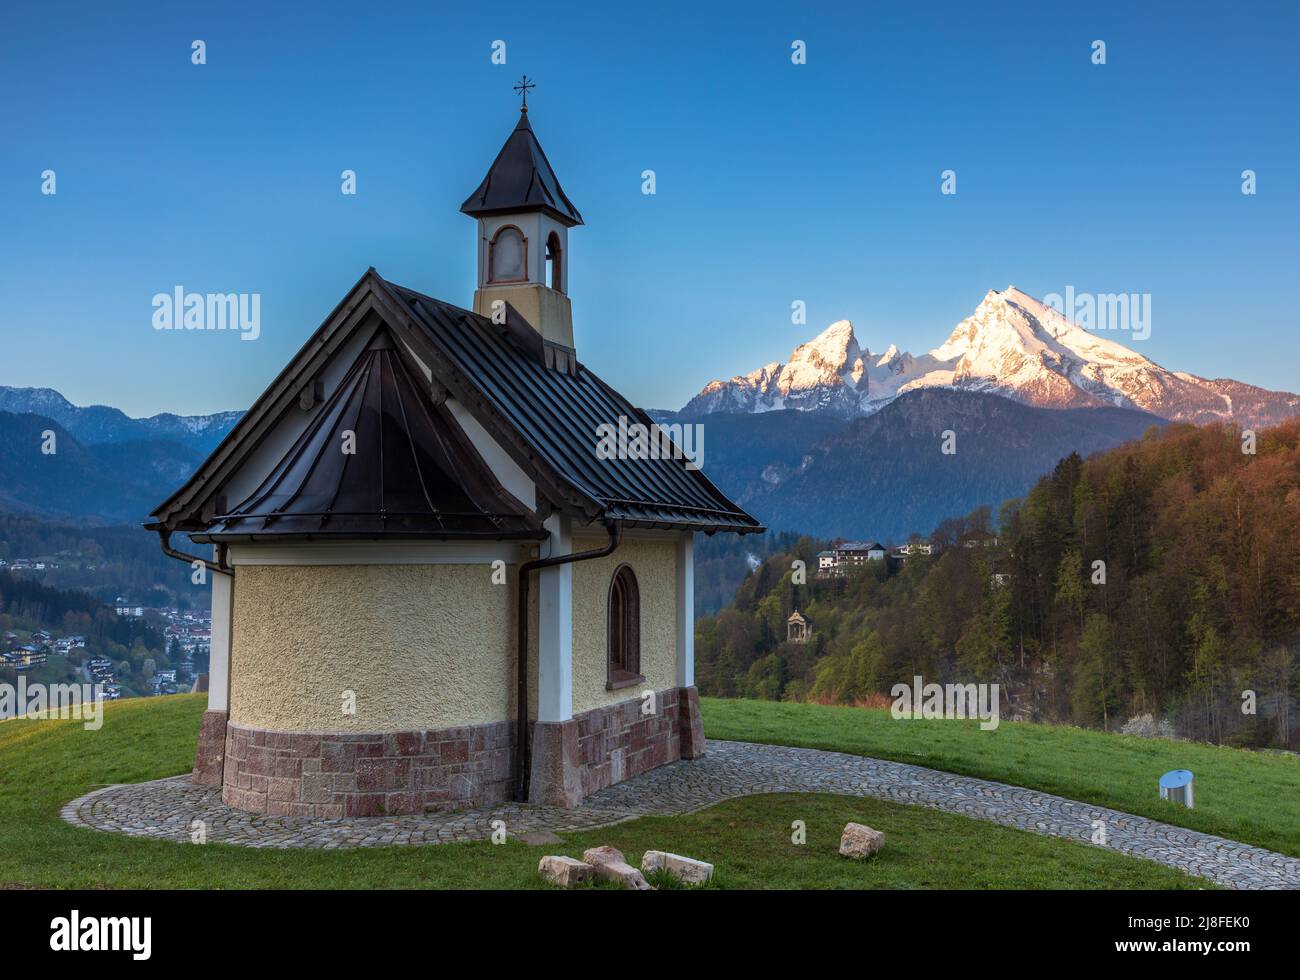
column 413, row 472
column 521, row 179
column 559, row 415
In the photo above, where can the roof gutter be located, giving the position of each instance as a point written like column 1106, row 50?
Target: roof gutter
column 221, row 566
column 523, row 762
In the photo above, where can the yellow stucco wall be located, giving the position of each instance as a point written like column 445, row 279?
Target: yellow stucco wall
column 423, row 646
column 654, row 561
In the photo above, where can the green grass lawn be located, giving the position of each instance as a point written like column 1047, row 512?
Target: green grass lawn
column 44, row 764
column 1247, row 796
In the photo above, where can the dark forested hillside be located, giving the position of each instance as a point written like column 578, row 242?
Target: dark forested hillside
column 89, row 483
column 886, row 475
column 107, row 562
column 1161, row 577
column 723, row 561
column 746, row 454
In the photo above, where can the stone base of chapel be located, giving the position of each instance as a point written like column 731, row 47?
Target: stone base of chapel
column 211, row 751
column 598, row 748
column 334, row 775
column 339, row 774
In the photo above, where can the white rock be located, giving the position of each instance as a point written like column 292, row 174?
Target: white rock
column 685, row 869
column 608, row 863
column 565, row 871
column 603, row 855
column 860, row 841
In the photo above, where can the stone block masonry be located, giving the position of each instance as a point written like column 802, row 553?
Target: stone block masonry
column 211, row 749
column 604, row 746
column 336, row 775
column 618, row 742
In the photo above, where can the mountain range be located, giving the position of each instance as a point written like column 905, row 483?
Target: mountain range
column 102, row 424
column 836, row 441
column 886, row 475
column 92, row 483
column 1012, row 345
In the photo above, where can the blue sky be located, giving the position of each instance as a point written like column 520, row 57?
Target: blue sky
column 775, row 181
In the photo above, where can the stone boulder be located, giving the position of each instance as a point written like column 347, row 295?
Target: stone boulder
column 860, row 841
column 684, row 869
column 603, row 855
column 608, row 863
column 563, row 871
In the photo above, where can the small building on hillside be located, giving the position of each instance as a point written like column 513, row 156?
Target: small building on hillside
column 25, row 657
column 797, row 629
column 836, row 562
column 431, row 588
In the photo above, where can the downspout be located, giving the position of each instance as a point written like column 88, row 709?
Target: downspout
column 522, row 760
column 221, row 566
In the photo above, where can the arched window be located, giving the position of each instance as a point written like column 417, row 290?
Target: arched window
column 554, row 260
column 624, row 630
column 508, row 256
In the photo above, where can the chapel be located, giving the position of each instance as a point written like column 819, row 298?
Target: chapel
column 429, row 589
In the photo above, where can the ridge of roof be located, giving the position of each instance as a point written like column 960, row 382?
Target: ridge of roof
column 547, row 419
column 558, row 414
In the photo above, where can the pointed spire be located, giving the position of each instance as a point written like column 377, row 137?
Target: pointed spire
column 521, row 180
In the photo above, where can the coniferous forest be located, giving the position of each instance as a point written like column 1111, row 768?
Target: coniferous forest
column 1160, row 579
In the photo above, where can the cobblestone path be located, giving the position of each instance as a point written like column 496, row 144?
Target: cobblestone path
column 166, row 809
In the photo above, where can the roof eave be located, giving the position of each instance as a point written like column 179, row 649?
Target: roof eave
column 221, row 537
column 568, row 220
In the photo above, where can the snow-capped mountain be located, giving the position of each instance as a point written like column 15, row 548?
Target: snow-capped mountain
column 1012, row 345
column 828, row 373
column 102, row 424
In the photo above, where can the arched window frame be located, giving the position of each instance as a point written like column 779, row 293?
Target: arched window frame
column 623, row 630
column 555, row 257
column 492, row 250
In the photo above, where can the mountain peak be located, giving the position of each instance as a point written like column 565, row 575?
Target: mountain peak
column 1011, row 345
column 834, row 347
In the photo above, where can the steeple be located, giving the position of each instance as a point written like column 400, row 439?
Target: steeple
column 524, row 218
column 521, row 181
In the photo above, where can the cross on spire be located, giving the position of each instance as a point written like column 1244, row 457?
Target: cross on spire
column 523, row 86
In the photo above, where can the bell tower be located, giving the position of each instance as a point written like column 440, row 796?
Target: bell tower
column 524, row 219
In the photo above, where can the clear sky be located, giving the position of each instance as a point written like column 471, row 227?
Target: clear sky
column 775, row 181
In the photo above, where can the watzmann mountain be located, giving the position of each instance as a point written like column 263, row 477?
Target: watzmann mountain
column 1012, row 345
